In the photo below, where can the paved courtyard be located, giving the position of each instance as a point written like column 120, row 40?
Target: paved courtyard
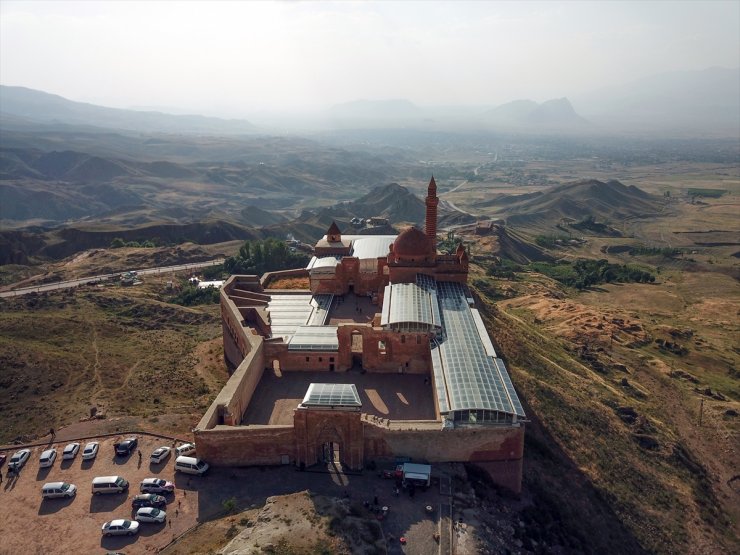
column 391, row 396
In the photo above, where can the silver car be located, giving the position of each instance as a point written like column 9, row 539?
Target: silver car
column 120, row 527
column 160, row 454
column 18, row 459
column 151, row 514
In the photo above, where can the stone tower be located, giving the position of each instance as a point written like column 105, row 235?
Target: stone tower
column 431, row 222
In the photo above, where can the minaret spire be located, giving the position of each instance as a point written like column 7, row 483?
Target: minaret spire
column 432, row 201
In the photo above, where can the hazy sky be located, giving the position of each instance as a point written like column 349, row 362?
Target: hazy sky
column 240, row 57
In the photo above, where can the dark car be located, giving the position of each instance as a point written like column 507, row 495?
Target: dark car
column 148, row 500
column 126, row 446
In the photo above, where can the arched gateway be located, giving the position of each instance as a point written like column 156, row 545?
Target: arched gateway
column 328, row 427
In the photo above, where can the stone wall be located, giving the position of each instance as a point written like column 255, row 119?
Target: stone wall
column 348, row 273
column 293, row 273
column 497, row 449
column 385, row 350
column 313, row 428
column 312, row 361
column 246, row 445
column 244, row 350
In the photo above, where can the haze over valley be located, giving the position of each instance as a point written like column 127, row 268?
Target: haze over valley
column 585, row 157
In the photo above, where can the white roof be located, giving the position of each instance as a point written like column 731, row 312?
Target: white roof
column 323, row 262
column 371, row 246
column 205, row 284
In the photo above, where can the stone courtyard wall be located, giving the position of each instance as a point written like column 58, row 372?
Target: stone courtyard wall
column 499, row 449
column 246, row 445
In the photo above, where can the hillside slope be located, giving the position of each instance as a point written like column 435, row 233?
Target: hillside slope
column 614, row 452
column 609, row 201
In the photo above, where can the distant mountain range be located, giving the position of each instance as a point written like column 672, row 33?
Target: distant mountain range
column 557, row 113
column 20, row 105
column 681, row 103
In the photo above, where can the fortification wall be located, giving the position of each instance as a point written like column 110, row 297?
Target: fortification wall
column 244, row 350
column 499, row 450
column 246, row 445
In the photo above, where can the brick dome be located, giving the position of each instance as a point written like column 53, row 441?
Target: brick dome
column 411, row 242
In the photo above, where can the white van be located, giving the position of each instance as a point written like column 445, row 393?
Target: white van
column 53, row 490
column 109, row 484
column 191, row 465
column 186, row 449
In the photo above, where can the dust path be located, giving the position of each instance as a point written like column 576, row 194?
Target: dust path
column 96, row 366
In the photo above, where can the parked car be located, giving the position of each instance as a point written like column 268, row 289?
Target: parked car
column 120, row 527
column 47, row 458
column 148, row 500
column 90, row 451
column 70, row 451
column 18, row 459
column 185, row 450
column 2, row 458
column 126, row 446
column 160, row 454
column 151, row 514
column 156, row 485
column 53, row 490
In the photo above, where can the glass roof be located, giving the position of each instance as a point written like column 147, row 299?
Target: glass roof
column 472, row 378
column 288, row 312
column 331, row 395
column 408, row 303
column 314, row 338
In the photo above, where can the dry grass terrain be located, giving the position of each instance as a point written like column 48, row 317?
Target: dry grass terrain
column 634, row 389
column 121, row 350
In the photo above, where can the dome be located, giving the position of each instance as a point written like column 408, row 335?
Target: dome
column 411, row 242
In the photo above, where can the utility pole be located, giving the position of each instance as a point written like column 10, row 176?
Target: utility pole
column 701, row 411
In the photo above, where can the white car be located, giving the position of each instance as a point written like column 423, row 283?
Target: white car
column 186, row 449
column 160, row 454
column 70, row 451
column 18, row 459
column 47, row 458
column 120, row 527
column 90, row 451
column 151, row 514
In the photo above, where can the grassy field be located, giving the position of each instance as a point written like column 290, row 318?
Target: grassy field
column 121, row 350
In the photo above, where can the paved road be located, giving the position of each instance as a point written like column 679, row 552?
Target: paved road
column 82, row 281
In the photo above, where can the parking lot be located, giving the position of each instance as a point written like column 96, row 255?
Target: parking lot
column 30, row 524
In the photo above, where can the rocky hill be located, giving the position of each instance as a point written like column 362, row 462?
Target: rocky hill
column 609, row 201
column 391, row 201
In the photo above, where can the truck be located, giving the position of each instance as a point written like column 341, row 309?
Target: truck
column 416, row 474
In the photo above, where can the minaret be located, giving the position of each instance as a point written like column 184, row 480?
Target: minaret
column 431, row 222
